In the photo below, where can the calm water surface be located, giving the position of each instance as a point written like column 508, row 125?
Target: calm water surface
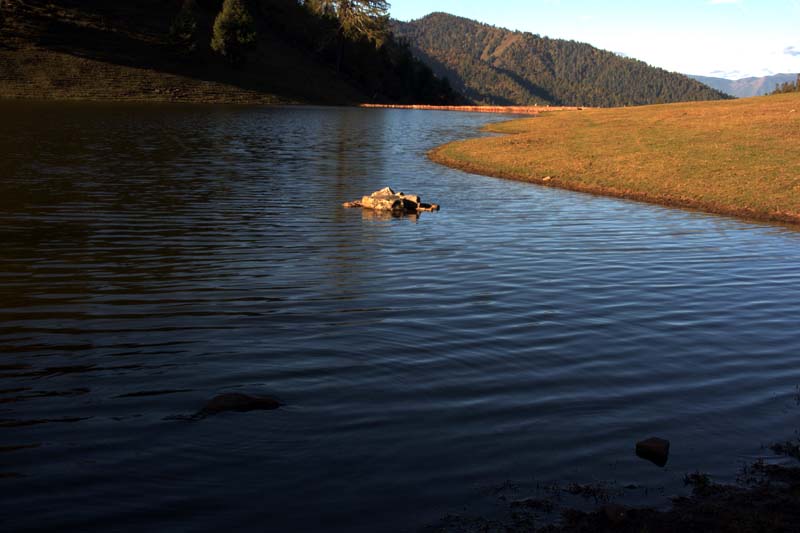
column 155, row 256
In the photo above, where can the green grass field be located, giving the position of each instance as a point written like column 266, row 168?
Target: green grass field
column 736, row 157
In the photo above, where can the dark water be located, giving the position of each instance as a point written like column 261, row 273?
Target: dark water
column 153, row 257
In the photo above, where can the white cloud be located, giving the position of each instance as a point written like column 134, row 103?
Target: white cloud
column 729, row 74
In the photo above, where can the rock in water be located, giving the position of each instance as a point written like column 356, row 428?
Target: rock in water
column 396, row 202
column 236, row 401
column 654, row 450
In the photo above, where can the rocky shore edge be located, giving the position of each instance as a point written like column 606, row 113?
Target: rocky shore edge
column 765, row 498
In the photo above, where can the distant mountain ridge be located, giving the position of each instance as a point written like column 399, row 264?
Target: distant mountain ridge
column 746, row 87
column 497, row 66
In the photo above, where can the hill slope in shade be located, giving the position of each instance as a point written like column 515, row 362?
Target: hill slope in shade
column 99, row 50
column 746, row 87
column 496, row 66
column 121, row 51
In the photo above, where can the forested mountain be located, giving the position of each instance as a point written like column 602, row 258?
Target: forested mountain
column 210, row 50
column 745, row 87
column 497, row 66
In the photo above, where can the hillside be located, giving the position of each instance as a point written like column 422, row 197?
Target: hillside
column 128, row 50
column 746, row 87
column 501, row 67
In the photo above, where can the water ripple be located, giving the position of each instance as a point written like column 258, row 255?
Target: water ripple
column 154, row 257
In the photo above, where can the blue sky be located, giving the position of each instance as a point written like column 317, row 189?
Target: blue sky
column 723, row 38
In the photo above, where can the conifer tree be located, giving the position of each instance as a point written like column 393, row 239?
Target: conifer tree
column 183, row 30
column 358, row 19
column 234, row 31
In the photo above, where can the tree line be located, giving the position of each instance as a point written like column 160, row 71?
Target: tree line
column 352, row 37
column 788, row 87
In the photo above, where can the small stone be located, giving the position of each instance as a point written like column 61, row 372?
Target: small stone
column 547, row 178
column 654, row 449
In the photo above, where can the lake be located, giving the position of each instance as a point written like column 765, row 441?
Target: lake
column 154, row 256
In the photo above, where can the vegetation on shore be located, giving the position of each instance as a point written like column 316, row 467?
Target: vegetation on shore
column 260, row 51
column 736, row 157
column 497, row 66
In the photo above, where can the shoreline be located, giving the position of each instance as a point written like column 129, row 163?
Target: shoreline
column 503, row 110
column 438, row 156
column 620, row 153
column 763, row 498
column 44, row 75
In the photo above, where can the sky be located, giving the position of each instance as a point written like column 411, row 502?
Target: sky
column 722, row 38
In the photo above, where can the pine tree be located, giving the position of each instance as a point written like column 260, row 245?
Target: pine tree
column 234, row 31
column 183, row 30
column 358, row 19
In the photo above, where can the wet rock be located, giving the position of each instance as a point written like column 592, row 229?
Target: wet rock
column 238, row 402
column 654, row 449
column 396, row 202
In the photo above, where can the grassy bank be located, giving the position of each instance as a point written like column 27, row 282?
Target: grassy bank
column 54, row 75
column 736, row 157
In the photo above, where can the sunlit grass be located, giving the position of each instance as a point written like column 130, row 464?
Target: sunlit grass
column 739, row 157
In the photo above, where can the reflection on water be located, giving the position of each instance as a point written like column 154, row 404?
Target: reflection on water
column 155, row 256
column 372, row 215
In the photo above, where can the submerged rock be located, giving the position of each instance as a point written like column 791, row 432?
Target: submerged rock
column 654, row 449
column 236, row 401
column 396, row 202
